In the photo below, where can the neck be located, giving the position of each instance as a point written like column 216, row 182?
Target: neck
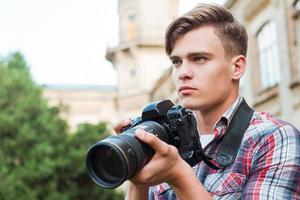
column 206, row 119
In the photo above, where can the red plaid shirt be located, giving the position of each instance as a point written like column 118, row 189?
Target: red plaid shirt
column 267, row 165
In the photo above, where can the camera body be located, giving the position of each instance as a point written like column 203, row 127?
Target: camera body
column 116, row 159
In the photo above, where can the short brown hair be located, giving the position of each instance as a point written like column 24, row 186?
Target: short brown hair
column 231, row 33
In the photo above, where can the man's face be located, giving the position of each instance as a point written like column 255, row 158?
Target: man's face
column 201, row 73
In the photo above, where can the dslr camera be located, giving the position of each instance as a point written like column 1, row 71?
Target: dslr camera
column 117, row 158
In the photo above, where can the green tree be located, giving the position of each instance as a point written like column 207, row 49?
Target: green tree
column 38, row 158
column 78, row 144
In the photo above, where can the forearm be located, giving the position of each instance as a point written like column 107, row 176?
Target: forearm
column 137, row 193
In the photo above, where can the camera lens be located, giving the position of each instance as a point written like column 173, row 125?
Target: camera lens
column 116, row 159
column 107, row 163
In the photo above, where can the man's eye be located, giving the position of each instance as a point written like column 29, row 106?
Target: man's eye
column 176, row 63
column 199, row 59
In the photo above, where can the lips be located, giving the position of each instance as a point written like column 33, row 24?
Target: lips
column 185, row 89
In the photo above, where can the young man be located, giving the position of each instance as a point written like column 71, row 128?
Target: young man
column 208, row 47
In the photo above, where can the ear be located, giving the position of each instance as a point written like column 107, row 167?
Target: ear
column 238, row 66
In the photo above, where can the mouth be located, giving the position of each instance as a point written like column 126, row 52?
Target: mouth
column 186, row 89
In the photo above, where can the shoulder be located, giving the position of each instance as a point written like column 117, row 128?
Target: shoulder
column 268, row 135
column 264, row 125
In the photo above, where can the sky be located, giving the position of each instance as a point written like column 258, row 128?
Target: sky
column 64, row 41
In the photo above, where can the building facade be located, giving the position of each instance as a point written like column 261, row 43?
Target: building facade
column 139, row 58
column 272, row 80
column 83, row 104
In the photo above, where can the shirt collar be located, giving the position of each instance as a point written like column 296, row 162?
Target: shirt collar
column 227, row 116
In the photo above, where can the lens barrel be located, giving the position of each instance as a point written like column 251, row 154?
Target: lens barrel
column 116, row 159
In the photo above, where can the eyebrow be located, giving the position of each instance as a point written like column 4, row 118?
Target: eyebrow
column 191, row 54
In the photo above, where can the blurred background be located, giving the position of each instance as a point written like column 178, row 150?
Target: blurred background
column 71, row 69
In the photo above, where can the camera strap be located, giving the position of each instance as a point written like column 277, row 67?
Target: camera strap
column 232, row 139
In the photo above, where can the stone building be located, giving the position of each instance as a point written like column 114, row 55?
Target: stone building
column 139, row 58
column 83, row 104
column 272, row 81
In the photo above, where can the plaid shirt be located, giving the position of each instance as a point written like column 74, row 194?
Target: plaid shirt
column 267, row 165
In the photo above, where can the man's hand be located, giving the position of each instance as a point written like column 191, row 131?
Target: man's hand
column 165, row 166
column 119, row 126
column 162, row 167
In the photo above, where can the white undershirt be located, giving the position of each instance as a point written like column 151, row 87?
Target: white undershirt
column 206, row 139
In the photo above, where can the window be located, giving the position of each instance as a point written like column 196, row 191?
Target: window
column 268, row 56
column 131, row 27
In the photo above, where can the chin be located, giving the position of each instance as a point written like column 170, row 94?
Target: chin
column 189, row 103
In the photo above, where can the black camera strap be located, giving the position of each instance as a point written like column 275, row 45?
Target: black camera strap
column 232, row 139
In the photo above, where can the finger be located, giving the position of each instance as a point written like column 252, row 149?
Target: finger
column 152, row 140
column 118, row 127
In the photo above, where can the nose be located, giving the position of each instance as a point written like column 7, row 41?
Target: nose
column 185, row 72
